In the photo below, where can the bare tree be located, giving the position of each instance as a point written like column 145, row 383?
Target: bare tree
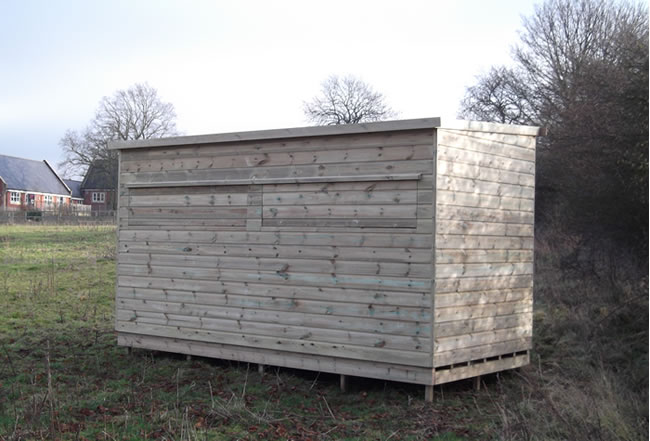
column 499, row 96
column 581, row 69
column 347, row 100
column 134, row 113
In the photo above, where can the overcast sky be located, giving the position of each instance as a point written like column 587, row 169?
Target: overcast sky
column 237, row 65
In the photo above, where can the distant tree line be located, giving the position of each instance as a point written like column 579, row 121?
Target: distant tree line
column 580, row 70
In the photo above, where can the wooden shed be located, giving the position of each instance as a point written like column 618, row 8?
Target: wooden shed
column 398, row 250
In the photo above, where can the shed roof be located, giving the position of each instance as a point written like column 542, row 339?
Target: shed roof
column 343, row 129
column 31, row 175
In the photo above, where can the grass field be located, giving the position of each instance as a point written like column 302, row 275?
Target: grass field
column 63, row 377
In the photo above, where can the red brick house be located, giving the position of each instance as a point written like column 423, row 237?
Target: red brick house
column 98, row 189
column 29, row 184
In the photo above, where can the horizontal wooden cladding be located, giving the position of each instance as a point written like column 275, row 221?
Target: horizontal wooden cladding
column 351, row 185
column 484, row 228
column 273, row 159
column 471, row 171
column 458, row 154
column 369, row 168
column 453, row 313
column 321, row 363
column 341, row 197
column 471, row 370
column 483, row 324
column 378, row 326
column 458, row 241
column 274, row 330
column 469, row 185
column 325, row 266
column 362, row 141
column 281, row 277
column 460, row 284
column 342, row 211
column 185, row 200
column 451, row 212
column 237, row 307
column 484, row 201
column 468, row 340
column 336, row 295
column 443, row 300
column 356, row 239
column 444, row 271
column 463, row 355
column 340, row 223
column 483, row 256
column 372, row 254
column 508, row 146
column 301, row 346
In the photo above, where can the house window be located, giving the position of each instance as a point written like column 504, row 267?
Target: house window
column 15, row 197
column 48, row 199
column 99, row 196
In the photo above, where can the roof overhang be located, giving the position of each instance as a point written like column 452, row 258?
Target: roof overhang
column 332, row 130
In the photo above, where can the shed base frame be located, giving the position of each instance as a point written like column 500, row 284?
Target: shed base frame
column 341, row 366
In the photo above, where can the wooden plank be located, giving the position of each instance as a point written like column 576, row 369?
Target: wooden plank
column 309, row 334
column 282, row 278
column 471, row 339
column 330, row 266
column 444, row 271
column 462, row 170
column 322, row 363
column 328, row 187
column 482, row 297
column 485, row 324
column 488, row 367
column 469, row 185
column 187, row 200
column 484, row 201
column 356, row 239
column 453, row 154
column 332, row 295
column 484, row 310
column 450, row 212
column 421, row 226
column 482, row 256
column 378, row 197
column 314, row 348
column 484, row 228
column 377, row 326
column 189, row 190
column 274, row 159
column 341, row 223
column 373, row 254
column 170, row 222
column 340, row 211
column 482, row 283
column 153, row 212
column 508, row 146
column 478, row 352
column 254, row 212
column 451, row 241
column 374, row 171
column 183, row 302
column 386, row 140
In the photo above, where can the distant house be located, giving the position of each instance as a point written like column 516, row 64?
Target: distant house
column 76, row 196
column 98, row 189
column 29, row 184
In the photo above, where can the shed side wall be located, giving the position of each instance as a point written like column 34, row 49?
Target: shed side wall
column 340, row 269
column 484, row 246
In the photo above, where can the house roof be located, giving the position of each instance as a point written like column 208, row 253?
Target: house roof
column 342, row 129
column 75, row 187
column 96, row 178
column 30, row 175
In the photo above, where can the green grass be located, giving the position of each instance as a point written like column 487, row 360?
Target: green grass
column 62, row 375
